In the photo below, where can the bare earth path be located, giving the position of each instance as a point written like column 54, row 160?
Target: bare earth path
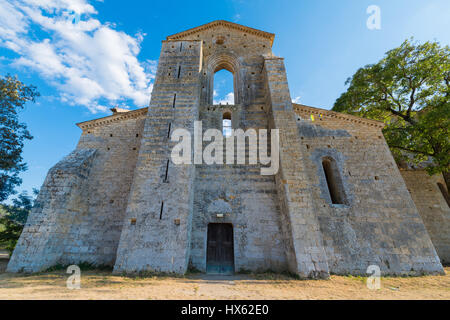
column 103, row 285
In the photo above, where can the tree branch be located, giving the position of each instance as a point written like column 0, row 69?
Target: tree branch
column 413, row 151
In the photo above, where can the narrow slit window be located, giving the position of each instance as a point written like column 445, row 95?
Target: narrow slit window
column 334, row 182
column 161, row 212
column 167, row 171
column 226, row 124
column 179, row 72
column 181, row 46
column 174, row 100
column 168, row 131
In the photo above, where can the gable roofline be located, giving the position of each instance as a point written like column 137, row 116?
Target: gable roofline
column 118, row 116
column 338, row 115
column 232, row 25
column 297, row 107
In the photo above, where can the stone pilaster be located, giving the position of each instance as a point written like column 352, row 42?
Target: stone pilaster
column 306, row 255
column 157, row 227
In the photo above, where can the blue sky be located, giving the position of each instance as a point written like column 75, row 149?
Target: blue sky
column 109, row 56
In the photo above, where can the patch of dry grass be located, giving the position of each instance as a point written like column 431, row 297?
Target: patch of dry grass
column 104, row 285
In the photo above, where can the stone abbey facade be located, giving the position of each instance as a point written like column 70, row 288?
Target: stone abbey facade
column 338, row 203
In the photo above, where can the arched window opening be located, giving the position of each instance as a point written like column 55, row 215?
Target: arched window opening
column 223, row 87
column 226, row 124
column 334, row 182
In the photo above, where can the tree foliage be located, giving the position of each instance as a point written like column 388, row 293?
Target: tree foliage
column 13, row 96
column 13, row 218
column 409, row 90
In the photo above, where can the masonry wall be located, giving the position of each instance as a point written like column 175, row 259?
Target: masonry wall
column 157, row 226
column 433, row 208
column 247, row 199
column 96, row 237
column 305, row 251
column 79, row 212
column 119, row 199
column 378, row 224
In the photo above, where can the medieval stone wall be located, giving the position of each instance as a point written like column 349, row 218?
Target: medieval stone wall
column 248, row 199
column 79, row 212
column 157, row 227
column 432, row 207
column 117, row 144
column 119, row 199
column 378, row 223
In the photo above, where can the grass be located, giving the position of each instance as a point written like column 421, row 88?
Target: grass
column 97, row 284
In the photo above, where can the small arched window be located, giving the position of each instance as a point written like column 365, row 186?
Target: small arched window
column 226, row 124
column 334, row 181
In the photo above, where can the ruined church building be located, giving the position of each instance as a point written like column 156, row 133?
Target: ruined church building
column 337, row 205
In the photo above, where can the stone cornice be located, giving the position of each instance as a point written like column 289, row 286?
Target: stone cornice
column 231, row 25
column 337, row 115
column 112, row 118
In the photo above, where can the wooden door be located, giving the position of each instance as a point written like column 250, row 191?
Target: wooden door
column 220, row 251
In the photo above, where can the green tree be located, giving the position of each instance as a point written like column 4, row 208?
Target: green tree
column 13, row 218
column 409, row 90
column 13, row 96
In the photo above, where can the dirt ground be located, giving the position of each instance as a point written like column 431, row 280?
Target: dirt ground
column 103, row 285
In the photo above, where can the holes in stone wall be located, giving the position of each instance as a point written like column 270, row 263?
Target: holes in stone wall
column 133, row 221
column 161, row 211
column 220, row 40
column 334, row 182
column 167, row 172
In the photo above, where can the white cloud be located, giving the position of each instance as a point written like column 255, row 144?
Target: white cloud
column 89, row 62
column 229, row 99
column 296, row 100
